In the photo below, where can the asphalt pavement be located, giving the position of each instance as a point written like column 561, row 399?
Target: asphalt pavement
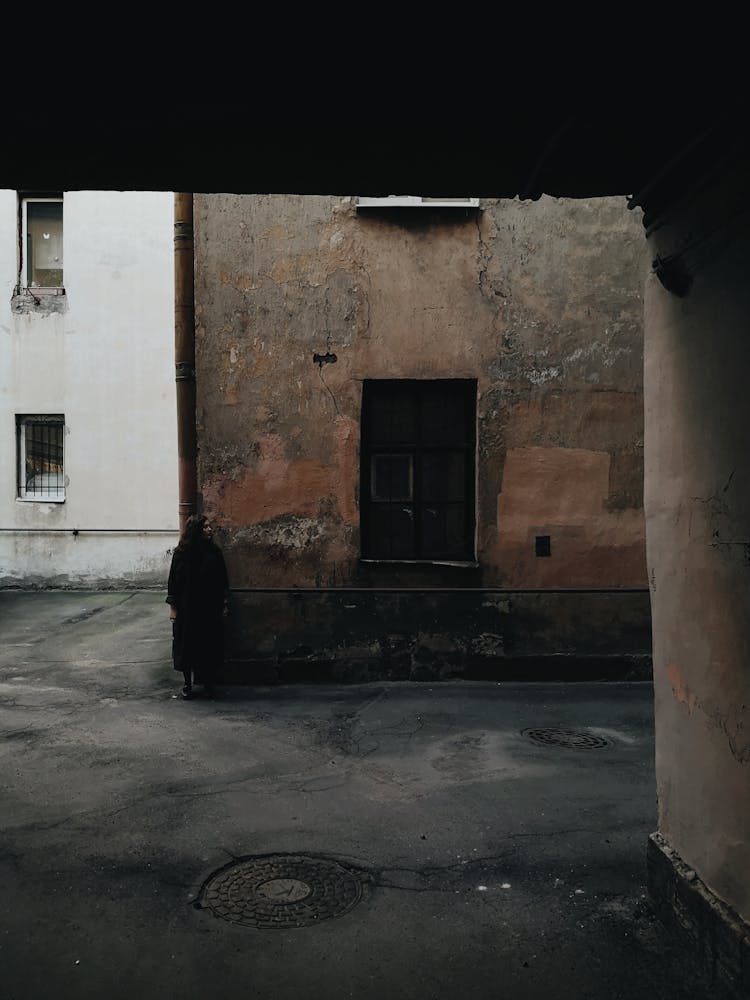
column 433, row 840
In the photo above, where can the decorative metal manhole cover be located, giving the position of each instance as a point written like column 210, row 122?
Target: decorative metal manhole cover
column 280, row 890
column 566, row 738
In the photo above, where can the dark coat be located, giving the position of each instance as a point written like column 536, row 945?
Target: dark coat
column 198, row 587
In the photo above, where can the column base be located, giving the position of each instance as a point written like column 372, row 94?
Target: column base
column 710, row 928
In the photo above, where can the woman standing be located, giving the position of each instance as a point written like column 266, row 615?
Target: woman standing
column 198, row 599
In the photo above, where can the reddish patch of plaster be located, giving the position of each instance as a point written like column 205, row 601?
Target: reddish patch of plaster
column 680, row 690
column 278, row 486
column 555, row 485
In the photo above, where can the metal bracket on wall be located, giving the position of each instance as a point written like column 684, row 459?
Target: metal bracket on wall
column 324, row 359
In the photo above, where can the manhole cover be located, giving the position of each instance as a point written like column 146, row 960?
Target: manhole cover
column 281, row 890
column 566, row 738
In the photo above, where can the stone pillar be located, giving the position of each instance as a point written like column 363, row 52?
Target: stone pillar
column 697, row 503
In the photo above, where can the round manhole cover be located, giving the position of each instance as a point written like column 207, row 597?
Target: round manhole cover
column 281, row 890
column 566, row 738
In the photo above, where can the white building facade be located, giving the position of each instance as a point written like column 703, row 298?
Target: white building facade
column 88, row 433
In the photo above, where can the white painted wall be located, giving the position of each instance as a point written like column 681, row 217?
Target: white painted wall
column 107, row 364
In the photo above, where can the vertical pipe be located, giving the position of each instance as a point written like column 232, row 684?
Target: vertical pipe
column 184, row 348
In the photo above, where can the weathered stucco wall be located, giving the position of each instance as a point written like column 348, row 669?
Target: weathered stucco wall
column 697, row 487
column 541, row 302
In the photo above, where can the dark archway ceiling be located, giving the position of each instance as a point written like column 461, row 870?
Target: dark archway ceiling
column 649, row 155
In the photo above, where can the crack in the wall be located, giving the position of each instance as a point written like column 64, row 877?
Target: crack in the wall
column 484, row 253
column 720, row 722
column 714, row 500
column 328, row 388
column 732, row 547
column 365, row 298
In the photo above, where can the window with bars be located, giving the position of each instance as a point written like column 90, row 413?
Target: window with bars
column 41, row 471
column 418, row 441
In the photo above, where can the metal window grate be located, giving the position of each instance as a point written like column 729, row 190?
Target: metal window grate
column 417, row 447
column 41, row 467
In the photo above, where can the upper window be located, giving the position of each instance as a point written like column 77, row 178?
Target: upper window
column 417, row 469
column 42, row 244
column 41, row 473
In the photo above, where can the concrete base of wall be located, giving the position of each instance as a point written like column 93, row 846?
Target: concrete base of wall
column 344, row 671
column 711, row 930
column 85, row 559
column 149, row 580
column 426, row 635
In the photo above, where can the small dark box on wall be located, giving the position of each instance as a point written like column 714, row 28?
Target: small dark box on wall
column 543, row 546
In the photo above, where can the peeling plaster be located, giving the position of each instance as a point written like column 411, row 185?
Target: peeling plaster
column 278, row 486
column 540, row 376
column 287, row 532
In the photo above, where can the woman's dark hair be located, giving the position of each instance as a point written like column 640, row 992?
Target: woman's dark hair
column 193, row 531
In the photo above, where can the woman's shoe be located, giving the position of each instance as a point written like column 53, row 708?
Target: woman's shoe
column 187, row 692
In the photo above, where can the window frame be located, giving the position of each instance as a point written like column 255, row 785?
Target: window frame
column 23, row 237
column 465, row 392
column 416, row 201
column 23, row 494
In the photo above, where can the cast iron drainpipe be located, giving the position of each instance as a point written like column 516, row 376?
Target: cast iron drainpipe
column 184, row 354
